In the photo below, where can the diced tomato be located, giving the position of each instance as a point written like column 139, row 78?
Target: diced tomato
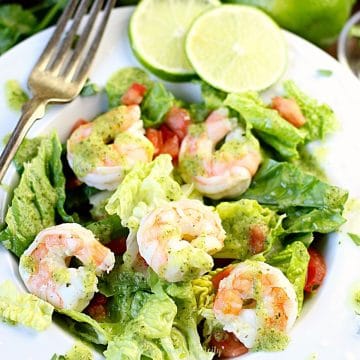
column 172, row 147
column 227, row 345
column 178, row 120
column 221, row 275
column 289, row 110
column 73, row 183
column 316, row 270
column 257, row 239
column 117, row 246
column 166, row 132
column 155, row 136
column 134, row 94
column 78, row 124
column 97, row 307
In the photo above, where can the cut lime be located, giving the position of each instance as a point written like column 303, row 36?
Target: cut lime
column 157, row 35
column 237, row 48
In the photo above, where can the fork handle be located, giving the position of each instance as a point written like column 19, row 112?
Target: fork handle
column 32, row 110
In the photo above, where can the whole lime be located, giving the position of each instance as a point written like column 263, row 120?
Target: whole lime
column 319, row 21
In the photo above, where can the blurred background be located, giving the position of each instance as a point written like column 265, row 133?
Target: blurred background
column 319, row 21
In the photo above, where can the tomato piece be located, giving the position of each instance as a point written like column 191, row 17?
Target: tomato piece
column 178, row 120
column 155, row 136
column 289, row 110
column 166, row 132
column 316, row 271
column 97, row 307
column 78, row 123
column 172, row 147
column 227, row 345
column 134, row 94
column 257, row 239
column 221, row 275
column 117, row 246
column 73, row 183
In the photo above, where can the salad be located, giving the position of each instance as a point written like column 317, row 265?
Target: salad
column 171, row 230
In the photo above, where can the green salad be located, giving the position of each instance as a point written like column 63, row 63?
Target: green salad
column 164, row 229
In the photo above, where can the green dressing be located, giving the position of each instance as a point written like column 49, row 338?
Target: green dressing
column 16, row 97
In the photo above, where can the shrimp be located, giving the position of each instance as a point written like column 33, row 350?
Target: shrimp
column 226, row 172
column 177, row 239
column 252, row 297
column 44, row 266
column 102, row 151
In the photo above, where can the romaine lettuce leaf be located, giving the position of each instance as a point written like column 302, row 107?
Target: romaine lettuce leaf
column 269, row 126
column 144, row 188
column 320, row 119
column 107, row 229
column 84, row 326
column 23, row 308
column 293, row 262
column 307, row 220
column 157, row 102
column 213, row 98
column 78, row 352
column 128, row 291
column 186, row 319
column 283, row 185
column 27, row 150
column 121, row 80
column 240, row 220
column 141, row 335
column 40, row 195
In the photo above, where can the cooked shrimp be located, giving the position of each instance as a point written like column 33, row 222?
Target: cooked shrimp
column 44, row 265
column 252, row 297
column 289, row 110
column 224, row 173
column 178, row 239
column 102, row 151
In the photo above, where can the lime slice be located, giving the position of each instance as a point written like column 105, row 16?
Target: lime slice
column 157, row 35
column 237, row 48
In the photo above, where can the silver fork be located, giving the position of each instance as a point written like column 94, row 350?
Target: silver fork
column 61, row 71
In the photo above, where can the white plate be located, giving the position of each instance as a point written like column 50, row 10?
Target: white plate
column 328, row 326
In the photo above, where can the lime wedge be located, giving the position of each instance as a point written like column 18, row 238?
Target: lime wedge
column 236, row 48
column 157, row 35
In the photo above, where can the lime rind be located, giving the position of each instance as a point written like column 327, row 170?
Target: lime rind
column 157, row 33
column 237, row 48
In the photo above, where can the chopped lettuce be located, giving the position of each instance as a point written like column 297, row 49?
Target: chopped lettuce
column 293, row 262
column 310, row 205
column 157, row 102
column 78, row 352
column 268, row 125
column 144, row 188
column 84, row 326
column 307, row 220
column 40, row 195
column 121, row 80
column 244, row 220
column 22, row 308
column 213, row 98
column 27, row 150
column 128, row 290
column 142, row 335
column 320, row 119
column 107, row 229
column 284, row 185
column 186, row 320
column 355, row 238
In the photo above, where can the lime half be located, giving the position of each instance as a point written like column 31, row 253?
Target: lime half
column 236, row 48
column 157, row 35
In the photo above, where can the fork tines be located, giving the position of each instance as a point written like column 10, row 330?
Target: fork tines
column 62, row 56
